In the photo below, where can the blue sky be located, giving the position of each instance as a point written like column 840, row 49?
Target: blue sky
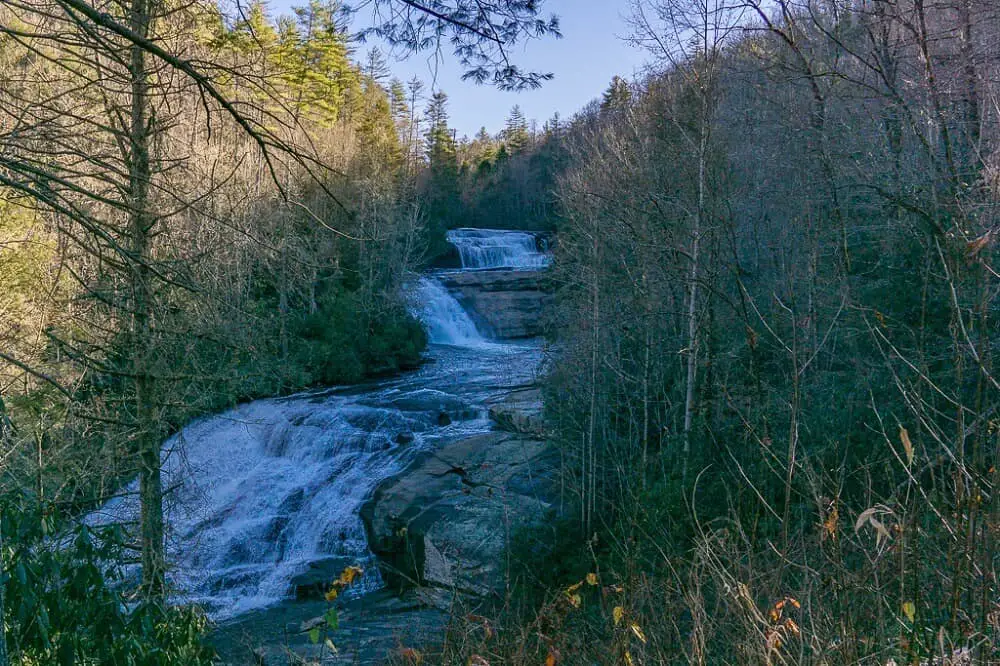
column 583, row 61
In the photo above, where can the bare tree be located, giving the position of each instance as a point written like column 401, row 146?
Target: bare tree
column 690, row 37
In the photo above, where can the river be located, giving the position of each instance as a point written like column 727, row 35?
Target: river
column 262, row 492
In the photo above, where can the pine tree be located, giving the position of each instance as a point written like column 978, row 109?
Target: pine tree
column 322, row 74
column 253, row 32
column 617, row 97
column 515, row 134
column 442, row 194
column 415, row 88
column 400, row 110
column 376, row 67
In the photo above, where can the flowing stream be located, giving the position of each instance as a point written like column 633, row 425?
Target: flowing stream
column 261, row 493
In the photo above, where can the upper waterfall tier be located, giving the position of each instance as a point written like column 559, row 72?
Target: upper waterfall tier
column 490, row 248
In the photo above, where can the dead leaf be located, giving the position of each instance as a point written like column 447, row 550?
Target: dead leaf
column 904, row 436
column 411, row 655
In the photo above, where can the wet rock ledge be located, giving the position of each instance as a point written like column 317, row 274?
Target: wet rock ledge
column 445, row 522
column 509, row 303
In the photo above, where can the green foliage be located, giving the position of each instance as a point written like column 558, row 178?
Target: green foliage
column 65, row 599
column 541, row 560
column 337, row 346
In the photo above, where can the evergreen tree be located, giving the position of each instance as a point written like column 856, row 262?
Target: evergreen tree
column 400, row 109
column 617, row 97
column 415, row 87
column 376, row 67
column 253, row 32
column 322, row 74
column 553, row 126
column 515, row 134
column 442, row 193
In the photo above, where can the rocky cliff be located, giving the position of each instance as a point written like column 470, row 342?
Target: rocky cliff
column 508, row 303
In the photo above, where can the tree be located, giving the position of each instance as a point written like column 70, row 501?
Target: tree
column 441, row 194
column 481, row 33
column 376, row 68
column 515, row 133
column 690, row 36
column 617, row 97
column 415, row 87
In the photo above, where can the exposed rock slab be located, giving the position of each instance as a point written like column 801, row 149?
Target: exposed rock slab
column 316, row 579
column 509, row 303
column 521, row 412
column 371, row 629
column 446, row 520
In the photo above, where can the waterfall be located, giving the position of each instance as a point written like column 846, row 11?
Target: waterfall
column 271, row 490
column 446, row 321
column 487, row 248
column 266, row 491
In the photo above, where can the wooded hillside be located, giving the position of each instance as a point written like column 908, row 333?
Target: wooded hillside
column 775, row 395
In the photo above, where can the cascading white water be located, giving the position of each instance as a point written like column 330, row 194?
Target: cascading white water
column 269, row 488
column 266, row 491
column 486, row 248
column 446, row 321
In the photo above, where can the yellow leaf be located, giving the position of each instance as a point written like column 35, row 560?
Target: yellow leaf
column 573, row 588
column 904, row 436
column 591, row 579
column 331, row 595
column 618, row 614
column 349, row 575
column 575, row 600
column 550, row 660
column 638, row 632
column 628, row 658
column 909, row 610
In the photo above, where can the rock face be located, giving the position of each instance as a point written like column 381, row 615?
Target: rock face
column 446, row 520
column 315, row 581
column 507, row 302
column 521, row 412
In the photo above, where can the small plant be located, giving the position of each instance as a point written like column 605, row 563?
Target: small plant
column 331, row 620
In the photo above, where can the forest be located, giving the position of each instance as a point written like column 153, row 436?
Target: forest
column 768, row 382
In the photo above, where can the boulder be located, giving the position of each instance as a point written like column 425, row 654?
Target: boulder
column 315, row 581
column 509, row 303
column 521, row 412
column 445, row 521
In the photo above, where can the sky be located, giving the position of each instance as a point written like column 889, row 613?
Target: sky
column 583, row 61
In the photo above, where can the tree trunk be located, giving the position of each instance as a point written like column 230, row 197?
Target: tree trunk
column 141, row 227
column 692, row 313
column 6, row 434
